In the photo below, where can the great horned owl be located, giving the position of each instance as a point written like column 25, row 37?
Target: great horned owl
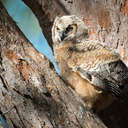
column 95, row 71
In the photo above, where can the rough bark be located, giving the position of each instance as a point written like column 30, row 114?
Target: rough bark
column 107, row 21
column 29, row 87
column 32, row 95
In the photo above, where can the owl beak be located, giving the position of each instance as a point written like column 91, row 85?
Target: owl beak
column 62, row 35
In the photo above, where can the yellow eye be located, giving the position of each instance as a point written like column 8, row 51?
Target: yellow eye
column 71, row 28
column 68, row 29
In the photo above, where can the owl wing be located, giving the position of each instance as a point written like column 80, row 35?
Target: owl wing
column 111, row 77
column 108, row 72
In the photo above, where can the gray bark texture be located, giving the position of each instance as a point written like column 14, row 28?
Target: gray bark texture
column 32, row 95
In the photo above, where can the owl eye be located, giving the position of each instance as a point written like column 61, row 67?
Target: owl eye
column 68, row 29
column 57, row 28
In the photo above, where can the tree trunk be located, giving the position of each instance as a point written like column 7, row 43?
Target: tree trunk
column 32, row 94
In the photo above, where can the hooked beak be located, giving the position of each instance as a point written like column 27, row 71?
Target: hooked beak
column 62, row 35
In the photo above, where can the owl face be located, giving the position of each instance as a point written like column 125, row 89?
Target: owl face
column 68, row 28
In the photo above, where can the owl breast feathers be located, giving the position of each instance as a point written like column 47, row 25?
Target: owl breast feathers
column 95, row 71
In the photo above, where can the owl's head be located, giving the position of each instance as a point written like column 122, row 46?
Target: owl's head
column 68, row 28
